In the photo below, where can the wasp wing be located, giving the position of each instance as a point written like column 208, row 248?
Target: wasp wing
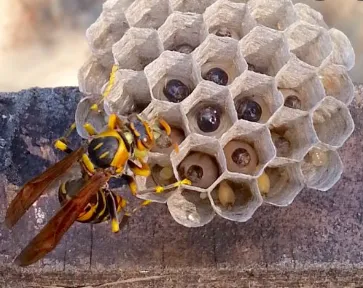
column 53, row 231
column 33, row 189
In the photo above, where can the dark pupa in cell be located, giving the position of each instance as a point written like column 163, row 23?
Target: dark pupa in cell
column 200, row 168
column 176, row 91
column 241, row 157
column 223, row 32
column 217, row 75
column 293, row 102
column 184, row 48
column 209, row 118
column 282, row 145
column 249, row 110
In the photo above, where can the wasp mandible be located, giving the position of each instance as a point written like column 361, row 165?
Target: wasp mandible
column 105, row 155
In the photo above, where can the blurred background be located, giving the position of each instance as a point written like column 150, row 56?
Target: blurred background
column 42, row 42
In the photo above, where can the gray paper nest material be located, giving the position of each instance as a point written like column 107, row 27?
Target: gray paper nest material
column 275, row 50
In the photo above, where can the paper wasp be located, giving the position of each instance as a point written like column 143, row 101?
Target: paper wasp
column 105, row 155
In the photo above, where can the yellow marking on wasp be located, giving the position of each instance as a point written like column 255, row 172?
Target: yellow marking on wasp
column 115, row 225
column 73, row 126
column 63, row 188
column 146, row 202
column 104, row 155
column 98, row 146
column 94, row 107
column 139, row 154
column 165, row 125
column 87, row 162
column 133, row 187
column 90, row 129
column 112, row 120
column 123, row 203
column 88, row 215
column 111, row 81
column 159, row 189
column 186, row 182
column 60, row 145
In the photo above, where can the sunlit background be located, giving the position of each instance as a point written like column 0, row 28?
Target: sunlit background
column 42, row 42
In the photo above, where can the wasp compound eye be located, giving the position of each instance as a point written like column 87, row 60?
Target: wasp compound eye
column 217, row 75
column 176, row 91
column 208, row 119
column 249, row 110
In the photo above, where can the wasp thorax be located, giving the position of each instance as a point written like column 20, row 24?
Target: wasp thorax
column 200, row 168
column 241, row 157
column 209, row 118
column 249, row 110
column 293, row 102
column 176, row 91
column 217, row 75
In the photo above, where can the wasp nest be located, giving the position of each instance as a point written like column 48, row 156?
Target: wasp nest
column 256, row 93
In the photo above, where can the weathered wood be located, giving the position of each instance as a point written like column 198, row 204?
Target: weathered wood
column 318, row 240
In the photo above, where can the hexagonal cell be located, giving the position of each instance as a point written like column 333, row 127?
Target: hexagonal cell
column 92, row 76
column 137, row 48
column 322, row 168
column 293, row 135
column 106, row 31
column 219, row 53
column 235, row 198
column 130, row 93
column 162, row 174
column 189, row 209
column 173, row 116
column 298, row 80
column 183, row 32
column 286, row 182
column 228, row 19
column 209, row 110
column 337, row 82
column 343, row 52
column 148, row 13
column 172, row 77
column 308, row 14
column 248, row 148
column 200, row 159
column 265, row 50
column 255, row 96
column 84, row 114
column 309, row 43
column 332, row 122
column 275, row 14
column 191, row 5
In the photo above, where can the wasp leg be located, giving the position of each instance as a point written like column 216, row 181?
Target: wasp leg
column 161, row 189
column 111, row 81
column 131, row 182
column 164, row 125
column 112, row 208
column 90, row 129
column 144, row 170
column 61, row 143
column 114, row 122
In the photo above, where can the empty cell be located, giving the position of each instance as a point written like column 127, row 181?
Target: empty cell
column 106, row 31
column 300, row 85
column 137, row 48
column 235, row 198
column 332, row 122
column 220, row 60
column 209, row 110
column 321, row 168
column 256, row 97
column 172, row 77
column 189, row 209
column 308, row 14
column 92, row 76
column 225, row 18
column 343, row 52
column 129, row 93
column 191, row 5
column 337, row 83
column 293, row 134
column 275, row 14
column 148, row 13
column 265, row 50
column 248, row 148
column 183, row 32
column 200, row 159
column 310, row 43
column 286, row 182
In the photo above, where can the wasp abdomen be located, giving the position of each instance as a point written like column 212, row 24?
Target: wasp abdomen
column 102, row 150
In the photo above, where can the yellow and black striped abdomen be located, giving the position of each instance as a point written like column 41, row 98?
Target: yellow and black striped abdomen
column 97, row 210
column 102, row 150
